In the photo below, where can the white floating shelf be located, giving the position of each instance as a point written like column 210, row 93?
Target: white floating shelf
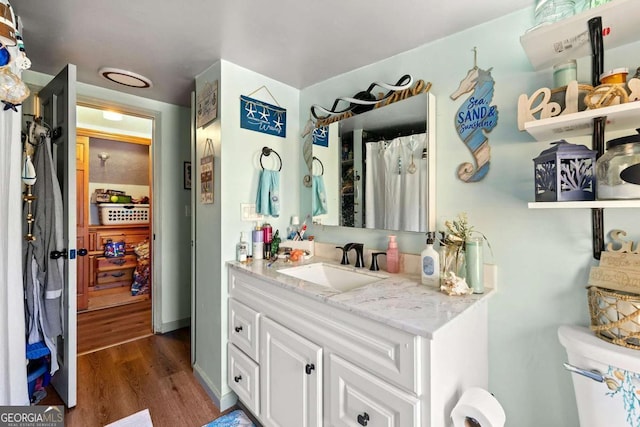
column 585, row 205
column 619, row 117
column 569, row 39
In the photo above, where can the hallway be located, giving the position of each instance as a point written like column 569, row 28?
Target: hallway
column 152, row 372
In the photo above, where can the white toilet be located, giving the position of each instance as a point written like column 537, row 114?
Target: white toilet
column 606, row 379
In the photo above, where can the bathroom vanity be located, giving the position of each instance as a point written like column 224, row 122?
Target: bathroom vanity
column 390, row 352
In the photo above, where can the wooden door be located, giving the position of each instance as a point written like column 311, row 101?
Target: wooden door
column 82, row 216
column 290, row 378
column 58, row 108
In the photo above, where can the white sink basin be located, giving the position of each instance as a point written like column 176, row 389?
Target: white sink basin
column 336, row 277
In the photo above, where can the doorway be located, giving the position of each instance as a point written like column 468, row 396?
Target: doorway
column 114, row 227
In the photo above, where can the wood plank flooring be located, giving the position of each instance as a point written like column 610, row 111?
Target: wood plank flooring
column 153, row 372
column 98, row 329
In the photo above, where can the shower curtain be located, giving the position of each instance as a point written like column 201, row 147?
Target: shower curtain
column 13, row 370
column 396, row 184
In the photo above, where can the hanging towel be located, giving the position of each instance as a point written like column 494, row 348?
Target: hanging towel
column 319, row 201
column 268, row 197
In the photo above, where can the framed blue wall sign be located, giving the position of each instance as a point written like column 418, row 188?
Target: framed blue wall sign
column 320, row 136
column 262, row 117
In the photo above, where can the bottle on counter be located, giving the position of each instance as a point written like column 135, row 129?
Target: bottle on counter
column 393, row 256
column 257, row 243
column 242, row 248
column 430, row 263
column 267, row 237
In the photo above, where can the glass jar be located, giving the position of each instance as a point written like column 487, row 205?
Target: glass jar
column 550, row 11
column 621, row 154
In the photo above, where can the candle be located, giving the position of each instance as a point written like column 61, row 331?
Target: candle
column 565, row 73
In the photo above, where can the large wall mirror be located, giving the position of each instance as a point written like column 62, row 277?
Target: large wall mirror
column 378, row 169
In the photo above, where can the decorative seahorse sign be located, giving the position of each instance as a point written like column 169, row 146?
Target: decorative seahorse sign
column 475, row 117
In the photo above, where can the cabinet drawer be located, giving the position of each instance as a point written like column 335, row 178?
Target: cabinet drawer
column 130, row 239
column 244, row 375
column 127, row 261
column 111, row 276
column 356, row 397
column 243, row 328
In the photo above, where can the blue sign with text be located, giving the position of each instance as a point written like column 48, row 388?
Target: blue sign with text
column 320, row 136
column 262, row 117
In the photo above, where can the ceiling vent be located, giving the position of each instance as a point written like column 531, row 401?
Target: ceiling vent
column 126, row 78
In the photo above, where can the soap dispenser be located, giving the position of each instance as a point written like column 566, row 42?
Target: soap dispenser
column 430, row 263
column 393, row 256
column 242, row 248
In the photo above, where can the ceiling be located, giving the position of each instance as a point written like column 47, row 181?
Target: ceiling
column 297, row 42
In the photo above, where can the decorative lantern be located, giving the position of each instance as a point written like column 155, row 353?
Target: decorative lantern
column 565, row 172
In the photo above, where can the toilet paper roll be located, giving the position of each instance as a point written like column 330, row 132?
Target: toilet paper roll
column 478, row 408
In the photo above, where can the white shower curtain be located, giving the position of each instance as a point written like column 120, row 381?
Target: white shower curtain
column 13, row 371
column 396, row 199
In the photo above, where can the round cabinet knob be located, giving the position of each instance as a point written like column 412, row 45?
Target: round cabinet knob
column 82, row 252
column 237, row 378
column 238, row 328
column 310, row 367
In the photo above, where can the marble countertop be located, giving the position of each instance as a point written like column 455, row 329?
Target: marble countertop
column 397, row 300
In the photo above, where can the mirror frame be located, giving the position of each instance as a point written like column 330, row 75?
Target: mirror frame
column 407, row 111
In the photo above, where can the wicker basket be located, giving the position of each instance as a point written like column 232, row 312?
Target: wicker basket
column 113, row 213
column 615, row 316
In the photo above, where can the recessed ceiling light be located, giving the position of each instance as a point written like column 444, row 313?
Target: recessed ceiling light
column 112, row 115
column 124, row 77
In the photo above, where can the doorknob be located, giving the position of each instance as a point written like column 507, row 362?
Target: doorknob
column 82, row 251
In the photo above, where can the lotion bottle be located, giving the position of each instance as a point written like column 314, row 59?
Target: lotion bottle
column 430, row 263
column 393, row 256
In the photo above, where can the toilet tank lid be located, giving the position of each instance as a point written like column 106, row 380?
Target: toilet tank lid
column 582, row 341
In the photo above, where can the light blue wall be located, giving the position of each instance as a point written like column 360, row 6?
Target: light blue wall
column 171, row 147
column 543, row 256
column 218, row 226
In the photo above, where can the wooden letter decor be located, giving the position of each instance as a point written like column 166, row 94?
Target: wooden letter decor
column 541, row 106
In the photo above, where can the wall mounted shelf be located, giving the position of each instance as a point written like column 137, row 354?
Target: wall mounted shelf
column 569, row 39
column 598, row 204
column 619, row 117
column 588, row 33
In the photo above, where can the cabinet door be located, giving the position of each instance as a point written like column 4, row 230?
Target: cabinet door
column 357, row 398
column 290, row 378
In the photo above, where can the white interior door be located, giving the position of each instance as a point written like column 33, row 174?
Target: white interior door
column 58, row 110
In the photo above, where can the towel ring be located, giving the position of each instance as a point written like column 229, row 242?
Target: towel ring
column 266, row 151
column 321, row 165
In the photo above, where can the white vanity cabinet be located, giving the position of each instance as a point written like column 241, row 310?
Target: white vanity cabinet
column 320, row 364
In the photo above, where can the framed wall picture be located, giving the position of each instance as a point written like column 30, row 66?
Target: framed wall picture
column 187, row 175
column 207, row 104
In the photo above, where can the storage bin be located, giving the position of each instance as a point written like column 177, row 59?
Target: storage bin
column 114, row 213
column 615, row 316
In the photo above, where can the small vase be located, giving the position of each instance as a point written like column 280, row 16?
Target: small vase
column 475, row 264
column 452, row 260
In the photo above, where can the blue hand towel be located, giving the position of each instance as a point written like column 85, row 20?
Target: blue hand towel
column 268, row 197
column 319, row 201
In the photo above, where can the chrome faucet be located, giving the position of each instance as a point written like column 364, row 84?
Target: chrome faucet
column 359, row 247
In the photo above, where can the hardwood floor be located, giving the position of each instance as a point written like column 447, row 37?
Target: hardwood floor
column 98, row 329
column 153, row 372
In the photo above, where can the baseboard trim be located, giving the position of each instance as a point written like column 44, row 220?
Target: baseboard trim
column 176, row 324
column 223, row 403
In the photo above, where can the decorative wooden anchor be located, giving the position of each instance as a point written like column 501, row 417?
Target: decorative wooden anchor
column 475, row 117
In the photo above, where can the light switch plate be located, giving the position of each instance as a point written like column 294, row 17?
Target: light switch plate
column 248, row 212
